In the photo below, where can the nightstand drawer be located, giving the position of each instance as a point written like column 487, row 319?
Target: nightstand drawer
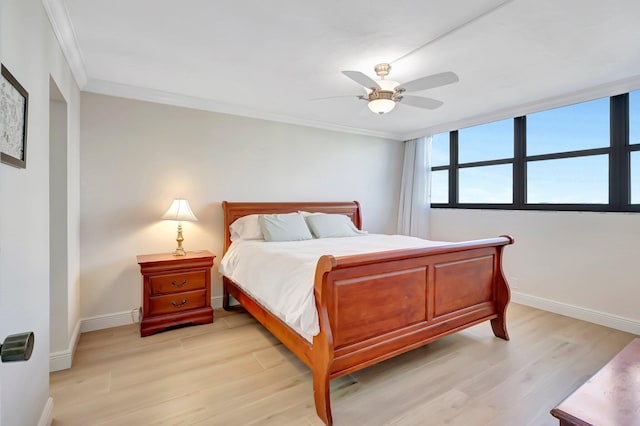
column 174, row 283
column 177, row 302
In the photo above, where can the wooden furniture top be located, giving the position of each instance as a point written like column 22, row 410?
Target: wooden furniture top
column 610, row 397
column 161, row 258
column 233, row 211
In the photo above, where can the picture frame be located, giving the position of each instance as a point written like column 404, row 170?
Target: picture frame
column 14, row 108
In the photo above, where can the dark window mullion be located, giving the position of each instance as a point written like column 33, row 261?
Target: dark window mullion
column 519, row 165
column 453, row 171
column 619, row 168
column 486, row 163
column 569, row 154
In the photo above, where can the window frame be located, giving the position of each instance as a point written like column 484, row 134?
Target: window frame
column 619, row 152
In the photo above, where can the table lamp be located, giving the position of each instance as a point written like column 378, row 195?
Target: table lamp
column 179, row 210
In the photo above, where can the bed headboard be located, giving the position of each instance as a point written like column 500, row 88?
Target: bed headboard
column 233, row 211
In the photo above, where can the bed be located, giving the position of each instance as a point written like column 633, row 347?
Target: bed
column 374, row 306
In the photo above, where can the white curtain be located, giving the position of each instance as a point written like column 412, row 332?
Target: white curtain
column 413, row 213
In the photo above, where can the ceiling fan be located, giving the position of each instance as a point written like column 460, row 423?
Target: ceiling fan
column 382, row 95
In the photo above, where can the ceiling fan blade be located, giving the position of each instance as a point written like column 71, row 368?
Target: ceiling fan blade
column 429, row 82
column 336, row 97
column 420, row 102
column 362, row 79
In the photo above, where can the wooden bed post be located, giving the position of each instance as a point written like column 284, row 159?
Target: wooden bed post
column 322, row 358
column 225, row 294
column 503, row 295
column 321, row 394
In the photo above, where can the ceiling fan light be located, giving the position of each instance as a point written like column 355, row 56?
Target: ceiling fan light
column 381, row 106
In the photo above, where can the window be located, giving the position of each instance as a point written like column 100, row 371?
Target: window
column 634, row 118
column 486, row 184
column 575, row 180
column 570, row 128
column 634, row 148
column 490, row 141
column 482, row 165
column 440, row 187
column 567, row 159
column 440, row 178
column 440, row 149
column 635, row 177
column 584, row 156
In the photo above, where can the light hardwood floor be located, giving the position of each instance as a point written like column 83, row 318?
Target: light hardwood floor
column 233, row 372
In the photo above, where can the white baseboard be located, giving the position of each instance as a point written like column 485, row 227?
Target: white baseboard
column 62, row 360
column 608, row 320
column 117, row 319
column 602, row 318
column 216, row 302
column 46, row 418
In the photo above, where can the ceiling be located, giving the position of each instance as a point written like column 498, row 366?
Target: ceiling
column 272, row 59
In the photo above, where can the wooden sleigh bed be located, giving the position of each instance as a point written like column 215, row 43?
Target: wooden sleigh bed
column 372, row 307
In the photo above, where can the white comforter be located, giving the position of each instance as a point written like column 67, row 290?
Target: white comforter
column 280, row 275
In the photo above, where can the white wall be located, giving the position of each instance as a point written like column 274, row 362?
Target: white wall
column 581, row 264
column 30, row 51
column 138, row 156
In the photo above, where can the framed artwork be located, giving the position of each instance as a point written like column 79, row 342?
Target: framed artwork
column 14, row 105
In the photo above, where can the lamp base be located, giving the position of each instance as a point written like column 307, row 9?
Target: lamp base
column 179, row 252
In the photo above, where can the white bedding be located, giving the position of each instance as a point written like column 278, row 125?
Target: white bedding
column 280, row 275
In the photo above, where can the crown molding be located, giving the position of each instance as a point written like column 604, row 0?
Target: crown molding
column 600, row 91
column 63, row 28
column 110, row 88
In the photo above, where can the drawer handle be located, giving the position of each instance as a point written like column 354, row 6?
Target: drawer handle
column 179, row 305
column 175, row 284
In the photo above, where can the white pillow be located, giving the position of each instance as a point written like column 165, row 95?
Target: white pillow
column 332, row 226
column 246, row 228
column 284, row 227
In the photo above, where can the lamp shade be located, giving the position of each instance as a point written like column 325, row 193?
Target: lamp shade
column 180, row 210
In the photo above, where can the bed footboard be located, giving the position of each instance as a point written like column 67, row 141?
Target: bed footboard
column 376, row 306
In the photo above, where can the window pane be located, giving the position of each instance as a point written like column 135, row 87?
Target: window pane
column 570, row 128
column 577, row 180
column 491, row 141
column 440, row 150
column 634, row 117
column 440, row 186
column 635, row 177
column 486, row 184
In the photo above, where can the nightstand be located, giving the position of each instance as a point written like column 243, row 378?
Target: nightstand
column 175, row 290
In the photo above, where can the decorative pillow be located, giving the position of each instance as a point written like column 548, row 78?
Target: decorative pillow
column 246, row 228
column 332, row 226
column 284, row 227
